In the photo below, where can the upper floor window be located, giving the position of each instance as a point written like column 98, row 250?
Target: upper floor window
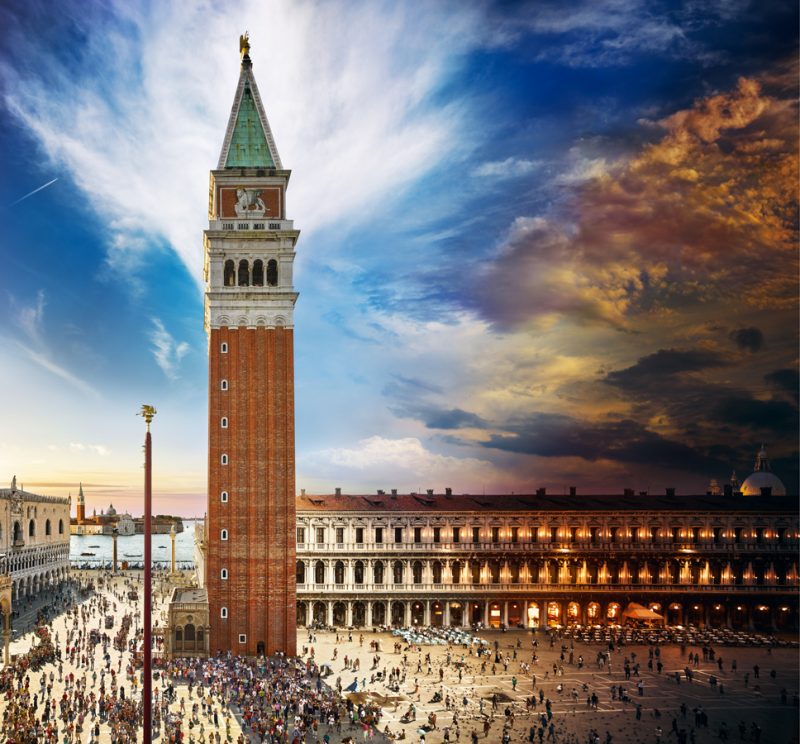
column 320, row 535
column 223, row 348
column 515, row 534
column 258, row 273
column 398, row 534
column 340, row 534
column 47, row 527
column 456, row 534
column 476, row 534
column 301, row 535
column 224, row 459
column 60, row 527
column 495, row 534
column 223, row 422
column 272, row 273
column 437, row 534
column 244, row 273
column 230, row 274
column 223, row 384
column 379, row 534
column 223, row 612
column 418, row 534
column 359, row 535
column 223, row 535
column 223, row 574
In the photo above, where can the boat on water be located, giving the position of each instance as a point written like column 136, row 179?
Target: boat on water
column 94, row 546
column 132, row 555
column 87, row 553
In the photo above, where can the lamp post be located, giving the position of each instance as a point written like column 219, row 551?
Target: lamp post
column 147, row 687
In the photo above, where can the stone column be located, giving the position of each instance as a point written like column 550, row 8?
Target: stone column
column 446, row 620
column 486, row 604
column 408, row 613
column 329, row 612
column 505, row 613
column 349, row 614
column 172, row 534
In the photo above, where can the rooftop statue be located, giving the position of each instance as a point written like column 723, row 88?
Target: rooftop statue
column 244, row 44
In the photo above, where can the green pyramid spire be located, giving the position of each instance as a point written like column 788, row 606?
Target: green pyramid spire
column 248, row 148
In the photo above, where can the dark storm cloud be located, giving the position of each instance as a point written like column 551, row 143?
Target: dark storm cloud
column 787, row 380
column 663, row 363
column 749, row 339
column 626, row 441
column 776, row 416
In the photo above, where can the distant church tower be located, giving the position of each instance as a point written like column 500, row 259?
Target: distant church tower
column 249, row 306
column 81, row 505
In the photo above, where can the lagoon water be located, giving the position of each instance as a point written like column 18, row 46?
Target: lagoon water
column 131, row 548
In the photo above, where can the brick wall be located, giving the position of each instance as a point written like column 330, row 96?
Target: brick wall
column 259, row 515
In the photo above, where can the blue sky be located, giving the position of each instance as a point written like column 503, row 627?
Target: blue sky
column 543, row 244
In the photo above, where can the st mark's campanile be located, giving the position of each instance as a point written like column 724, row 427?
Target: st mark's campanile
column 249, row 306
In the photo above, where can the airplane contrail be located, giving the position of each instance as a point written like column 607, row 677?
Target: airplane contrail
column 23, row 198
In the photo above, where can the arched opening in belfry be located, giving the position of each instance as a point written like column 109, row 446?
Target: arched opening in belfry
column 258, row 273
column 272, row 273
column 230, row 273
column 244, row 273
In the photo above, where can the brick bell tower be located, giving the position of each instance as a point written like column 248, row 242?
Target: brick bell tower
column 249, row 306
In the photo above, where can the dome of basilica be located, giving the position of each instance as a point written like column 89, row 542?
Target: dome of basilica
column 762, row 478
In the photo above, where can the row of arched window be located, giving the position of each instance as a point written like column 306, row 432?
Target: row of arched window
column 250, row 276
column 398, row 572
column 48, row 530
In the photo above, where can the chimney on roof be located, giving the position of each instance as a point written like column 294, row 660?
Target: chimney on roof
column 628, row 492
column 448, row 491
column 338, row 491
column 573, row 491
column 302, row 491
column 643, row 493
column 670, row 492
column 541, row 492
column 394, row 492
column 429, row 492
column 381, row 492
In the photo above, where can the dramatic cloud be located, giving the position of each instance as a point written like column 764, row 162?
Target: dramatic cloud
column 665, row 362
column 137, row 122
column 787, row 380
column 555, row 435
column 748, row 339
column 707, row 214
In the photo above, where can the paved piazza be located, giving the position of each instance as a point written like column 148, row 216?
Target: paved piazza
column 737, row 697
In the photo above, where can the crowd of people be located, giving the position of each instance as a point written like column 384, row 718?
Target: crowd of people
column 276, row 699
column 79, row 680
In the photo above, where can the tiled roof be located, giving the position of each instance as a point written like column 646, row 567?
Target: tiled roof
column 550, row 502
